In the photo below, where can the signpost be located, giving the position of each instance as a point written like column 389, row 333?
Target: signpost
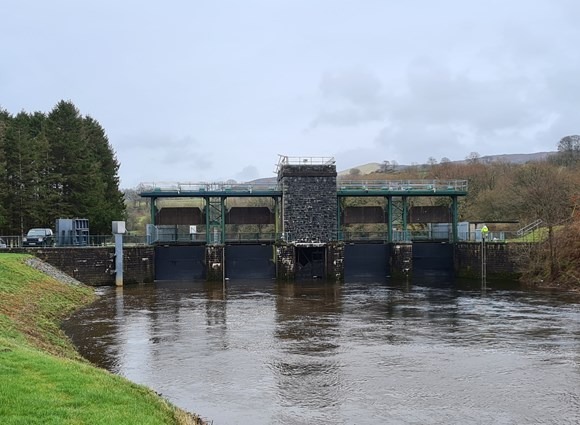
column 118, row 231
column 484, row 232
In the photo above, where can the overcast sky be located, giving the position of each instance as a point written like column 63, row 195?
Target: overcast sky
column 212, row 90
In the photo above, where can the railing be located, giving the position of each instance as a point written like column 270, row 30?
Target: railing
column 404, row 185
column 530, row 227
column 305, row 160
column 342, row 185
column 11, row 241
column 397, row 236
column 91, row 240
column 503, row 236
column 251, row 237
column 186, row 187
column 259, row 237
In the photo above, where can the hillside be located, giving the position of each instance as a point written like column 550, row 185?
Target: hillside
column 516, row 158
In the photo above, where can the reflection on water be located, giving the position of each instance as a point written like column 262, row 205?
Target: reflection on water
column 363, row 352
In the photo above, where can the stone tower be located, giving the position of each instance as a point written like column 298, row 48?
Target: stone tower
column 309, row 201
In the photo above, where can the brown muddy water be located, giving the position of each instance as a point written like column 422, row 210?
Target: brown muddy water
column 426, row 352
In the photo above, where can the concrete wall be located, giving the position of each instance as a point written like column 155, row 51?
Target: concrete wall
column 94, row 266
column 309, row 202
column 501, row 259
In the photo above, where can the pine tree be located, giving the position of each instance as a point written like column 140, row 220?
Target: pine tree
column 56, row 166
column 68, row 172
column 21, row 175
column 4, row 124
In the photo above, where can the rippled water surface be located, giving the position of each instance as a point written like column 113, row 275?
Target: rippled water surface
column 351, row 353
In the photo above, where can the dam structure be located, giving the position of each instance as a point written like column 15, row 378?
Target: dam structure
column 307, row 223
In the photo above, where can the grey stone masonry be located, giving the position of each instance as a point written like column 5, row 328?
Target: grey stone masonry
column 285, row 262
column 401, row 262
column 95, row 265
column 214, row 256
column 335, row 261
column 309, row 212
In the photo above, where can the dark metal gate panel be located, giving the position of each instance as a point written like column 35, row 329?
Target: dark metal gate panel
column 366, row 261
column 432, row 257
column 179, row 263
column 250, row 262
column 310, row 262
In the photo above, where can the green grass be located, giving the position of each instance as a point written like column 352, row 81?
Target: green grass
column 43, row 380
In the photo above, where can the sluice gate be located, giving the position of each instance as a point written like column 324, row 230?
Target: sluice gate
column 432, row 257
column 307, row 224
column 366, row 261
column 179, row 262
column 250, row 262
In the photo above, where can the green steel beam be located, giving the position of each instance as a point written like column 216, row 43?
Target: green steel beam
column 204, row 194
column 404, row 216
column 278, row 193
column 153, row 210
column 455, row 218
column 390, row 218
column 338, row 224
column 223, row 220
column 207, row 221
column 370, row 192
column 276, row 215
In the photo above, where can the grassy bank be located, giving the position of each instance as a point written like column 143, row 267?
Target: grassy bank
column 43, row 379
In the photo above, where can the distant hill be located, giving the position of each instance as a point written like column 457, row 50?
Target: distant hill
column 514, row 158
column 371, row 167
column 265, row 180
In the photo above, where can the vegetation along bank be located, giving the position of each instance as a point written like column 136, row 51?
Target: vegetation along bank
column 44, row 379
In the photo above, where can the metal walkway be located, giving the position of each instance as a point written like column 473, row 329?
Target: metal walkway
column 395, row 192
column 344, row 188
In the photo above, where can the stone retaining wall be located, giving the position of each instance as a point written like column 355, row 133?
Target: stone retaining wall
column 95, row 265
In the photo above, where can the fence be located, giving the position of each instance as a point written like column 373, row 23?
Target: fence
column 91, row 240
column 175, row 236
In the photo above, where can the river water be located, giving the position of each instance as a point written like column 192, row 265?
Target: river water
column 425, row 352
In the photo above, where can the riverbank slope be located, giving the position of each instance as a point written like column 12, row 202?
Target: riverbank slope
column 44, row 379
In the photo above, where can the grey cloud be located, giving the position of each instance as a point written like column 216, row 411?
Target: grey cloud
column 352, row 97
column 454, row 109
column 358, row 87
column 163, row 158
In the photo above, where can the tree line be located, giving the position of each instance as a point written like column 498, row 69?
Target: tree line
column 56, row 165
column 547, row 190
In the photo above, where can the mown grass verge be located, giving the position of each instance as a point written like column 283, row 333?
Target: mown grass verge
column 43, row 378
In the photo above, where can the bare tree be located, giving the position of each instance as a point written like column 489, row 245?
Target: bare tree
column 569, row 151
column 541, row 191
column 473, row 158
column 354, row 172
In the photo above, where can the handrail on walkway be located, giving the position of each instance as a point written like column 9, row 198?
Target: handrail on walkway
column 342, row 185
column 528, row 228
column 404, row 185
column 184, row 187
